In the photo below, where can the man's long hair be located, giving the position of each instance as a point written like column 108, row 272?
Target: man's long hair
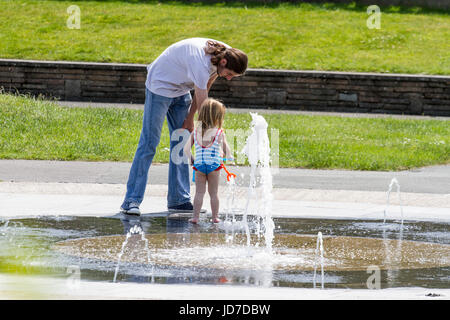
column 236, row 59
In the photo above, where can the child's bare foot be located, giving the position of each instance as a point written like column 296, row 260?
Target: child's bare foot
column 216, row 220
column 193, row 220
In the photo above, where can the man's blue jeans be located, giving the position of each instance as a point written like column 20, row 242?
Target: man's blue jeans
column 156, row 109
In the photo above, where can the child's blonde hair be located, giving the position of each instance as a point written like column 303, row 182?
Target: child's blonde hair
column 211, row 114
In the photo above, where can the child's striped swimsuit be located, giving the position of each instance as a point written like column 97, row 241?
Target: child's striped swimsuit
column 207, row 159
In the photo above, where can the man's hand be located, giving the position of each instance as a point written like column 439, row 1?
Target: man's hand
column 188, row 123
column 199, row 96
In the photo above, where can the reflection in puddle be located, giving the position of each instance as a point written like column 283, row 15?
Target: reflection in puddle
column 184, row 253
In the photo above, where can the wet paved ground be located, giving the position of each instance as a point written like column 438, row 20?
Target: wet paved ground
column 20, row 236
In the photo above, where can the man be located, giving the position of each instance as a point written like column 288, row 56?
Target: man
column 193, row 63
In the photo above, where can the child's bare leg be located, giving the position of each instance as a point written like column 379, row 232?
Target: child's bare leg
column 200, row 190
column 213, row 190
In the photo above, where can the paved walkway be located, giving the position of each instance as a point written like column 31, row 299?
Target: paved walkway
column 18, row 287
column 98, row 188
column 433, row 180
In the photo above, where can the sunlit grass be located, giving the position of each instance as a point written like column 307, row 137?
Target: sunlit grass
column 298, row 36
column 38, row 129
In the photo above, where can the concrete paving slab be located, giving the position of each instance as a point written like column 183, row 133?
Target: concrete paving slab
column 434, row 179
column 33, row 287
column 32, row 199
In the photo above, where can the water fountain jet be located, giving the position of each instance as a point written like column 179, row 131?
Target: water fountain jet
column 393, row 259
column 393, row 181
column 319, row 249
column 257, row 150
column 135, row 230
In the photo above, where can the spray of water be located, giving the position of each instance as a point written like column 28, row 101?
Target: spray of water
column 393, row 256
column 257, row 150
column 231, row 210
column 319, row 250
column 393, row 181
column 135, row 230
column 4, row 228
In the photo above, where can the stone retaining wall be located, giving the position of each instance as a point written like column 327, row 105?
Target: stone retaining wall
column 258, row 88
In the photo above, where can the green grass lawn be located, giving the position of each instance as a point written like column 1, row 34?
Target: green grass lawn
column 38, row 129
column 280, row 36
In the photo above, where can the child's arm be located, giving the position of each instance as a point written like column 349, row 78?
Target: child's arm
column 227, row 154
column 187, row 148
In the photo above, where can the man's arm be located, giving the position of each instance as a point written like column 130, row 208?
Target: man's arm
column 211, row 81
column 200, row 95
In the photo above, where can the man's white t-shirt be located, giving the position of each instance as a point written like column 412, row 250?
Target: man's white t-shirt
column 181, row 66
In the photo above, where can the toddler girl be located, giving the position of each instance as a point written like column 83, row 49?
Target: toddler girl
column 210, row 149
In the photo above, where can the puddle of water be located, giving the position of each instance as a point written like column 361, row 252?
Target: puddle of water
column 185, row 253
